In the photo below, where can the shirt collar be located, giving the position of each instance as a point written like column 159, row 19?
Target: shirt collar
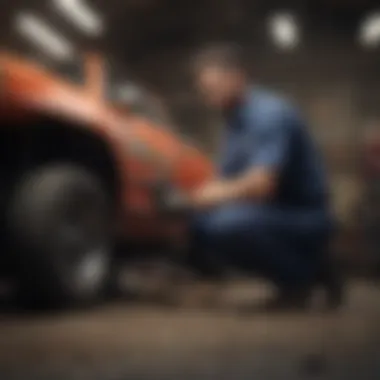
column 234, row 111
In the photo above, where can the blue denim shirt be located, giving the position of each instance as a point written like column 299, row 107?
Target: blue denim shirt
column 265, row 130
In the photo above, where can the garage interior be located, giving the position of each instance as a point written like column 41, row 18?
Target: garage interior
column 325, row 56
column 331, row 73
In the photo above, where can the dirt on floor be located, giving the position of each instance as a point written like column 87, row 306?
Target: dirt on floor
column 122, row 341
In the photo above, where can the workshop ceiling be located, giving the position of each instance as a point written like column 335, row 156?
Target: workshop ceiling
column 134, row 30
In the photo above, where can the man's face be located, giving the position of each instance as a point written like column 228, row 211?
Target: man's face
column 219, row 86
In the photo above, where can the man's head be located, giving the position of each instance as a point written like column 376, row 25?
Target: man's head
column 220, row 74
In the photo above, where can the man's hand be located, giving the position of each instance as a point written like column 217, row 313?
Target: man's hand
column 255, row 185
column 211, row 194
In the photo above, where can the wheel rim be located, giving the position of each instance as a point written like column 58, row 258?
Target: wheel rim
column 91, row 271
column 83, row 259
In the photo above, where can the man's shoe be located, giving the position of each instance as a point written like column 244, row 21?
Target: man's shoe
column 287, row 300
column 333, row 285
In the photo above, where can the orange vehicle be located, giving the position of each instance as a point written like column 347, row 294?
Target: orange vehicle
column 80, row 174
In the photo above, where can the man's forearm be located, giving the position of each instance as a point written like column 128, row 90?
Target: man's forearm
column 257, row 184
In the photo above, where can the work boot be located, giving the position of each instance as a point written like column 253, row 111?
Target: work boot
column 299, row 298
column 331, row 281
column 286, row 300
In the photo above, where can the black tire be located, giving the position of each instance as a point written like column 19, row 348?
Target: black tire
column 60, row 221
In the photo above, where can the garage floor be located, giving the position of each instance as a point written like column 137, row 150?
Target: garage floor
column 120, row 341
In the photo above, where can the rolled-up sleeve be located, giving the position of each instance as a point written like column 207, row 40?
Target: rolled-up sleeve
column 271, row 139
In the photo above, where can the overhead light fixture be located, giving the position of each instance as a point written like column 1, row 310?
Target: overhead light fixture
column 79, row 13
column 369, row 32
column 43, row 36
column 284, row 30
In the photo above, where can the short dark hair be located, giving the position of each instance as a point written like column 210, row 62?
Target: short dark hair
column 226, row 56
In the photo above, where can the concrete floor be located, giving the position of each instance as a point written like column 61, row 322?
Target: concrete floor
column 120, row 342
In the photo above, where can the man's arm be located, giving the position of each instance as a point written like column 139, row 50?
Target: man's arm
column 259, row 182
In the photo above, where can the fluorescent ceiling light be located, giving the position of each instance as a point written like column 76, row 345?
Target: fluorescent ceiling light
column 81, row 15
column 369, row 33
column 284, row 30
column 43, row 36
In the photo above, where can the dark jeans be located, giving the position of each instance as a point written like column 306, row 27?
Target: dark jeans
column 284, row 245
column 371, row 217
